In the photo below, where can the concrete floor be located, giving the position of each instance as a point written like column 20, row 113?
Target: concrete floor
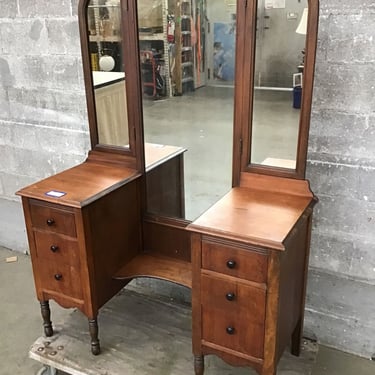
column 20, row 326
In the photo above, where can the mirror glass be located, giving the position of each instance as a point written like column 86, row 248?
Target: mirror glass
column 187, row 57
column 279, row 64
column 107, row 66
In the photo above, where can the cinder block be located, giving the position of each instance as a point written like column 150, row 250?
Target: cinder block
column 342, row 333
column 7, row 79
column 63, row 36
column 11, row 183
column 8, row 9
column 53, row 108
column 341, row 136
column 38, row 36
column 322, row 47
column 338, row 214
column 346, row 181
column 45, row 8
column 345, row 87
column 45, row 139
column 36, row 164
column 21, row 37
column 344, row 254
column 352, row 44
column 342, row 296
column 4, row 105
column 346, row 6
column 51, row 71
column 74, row 7
column 341, row 312
column 12, row 226
column 5, row 133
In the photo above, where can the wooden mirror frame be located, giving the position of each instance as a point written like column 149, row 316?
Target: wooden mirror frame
column 245, row 94
column 244, row 90
column 135, row 153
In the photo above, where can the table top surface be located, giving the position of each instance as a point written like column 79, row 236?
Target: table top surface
column 261, row 217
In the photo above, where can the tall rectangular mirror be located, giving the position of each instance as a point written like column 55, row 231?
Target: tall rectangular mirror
column 106, row 50
column 278, row 77
column 187, row 57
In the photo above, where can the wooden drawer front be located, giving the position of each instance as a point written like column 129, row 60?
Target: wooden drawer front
column 60, row 278
column 52, row 219
column 54, row 247
column 245, row 264
column 237, row 324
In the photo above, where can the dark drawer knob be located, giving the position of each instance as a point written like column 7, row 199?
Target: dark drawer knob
column 230, row 296
column 231, row 264
column 58, row 277
column 230, row 330
column 54, row 248
column 50, row 222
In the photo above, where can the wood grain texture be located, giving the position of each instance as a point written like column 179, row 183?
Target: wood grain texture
column 75, row 251
column 82, row 184
column 167, row 238
column 57, row 248
column 252, row 246
column 274, row 184
column 262, row 218
column 237, row 323
column 248, row 265
column 165, row 187
column 160, row 267
column 112, row 230
column 196, row 265
column 52, row 218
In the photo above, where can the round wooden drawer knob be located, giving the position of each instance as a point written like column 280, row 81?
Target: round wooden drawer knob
column 230, row 296
column 54, row 248
column 230, row 330
column 50, row 222
column 231, row 264
column 58, row 277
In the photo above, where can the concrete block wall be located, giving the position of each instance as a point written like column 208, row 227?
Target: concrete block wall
column 341, row 168
column 43, row 122
column 43, row 129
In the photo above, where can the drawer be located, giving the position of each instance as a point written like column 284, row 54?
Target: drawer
column 56, row 248
column 245, row 264
column 53, row 219
column 237, row 323
column 59, row 278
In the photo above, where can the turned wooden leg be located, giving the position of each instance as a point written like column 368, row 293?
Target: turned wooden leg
column 46, row 315
column 297, row 338
column 94, row 333
column 199, row 364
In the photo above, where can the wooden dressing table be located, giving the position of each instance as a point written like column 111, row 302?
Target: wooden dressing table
column 121, row 215
column 250, row 258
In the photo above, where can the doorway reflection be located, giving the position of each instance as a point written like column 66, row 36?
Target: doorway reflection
column 188, row 100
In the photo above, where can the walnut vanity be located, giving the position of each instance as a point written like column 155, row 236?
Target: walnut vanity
column 128, row 210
